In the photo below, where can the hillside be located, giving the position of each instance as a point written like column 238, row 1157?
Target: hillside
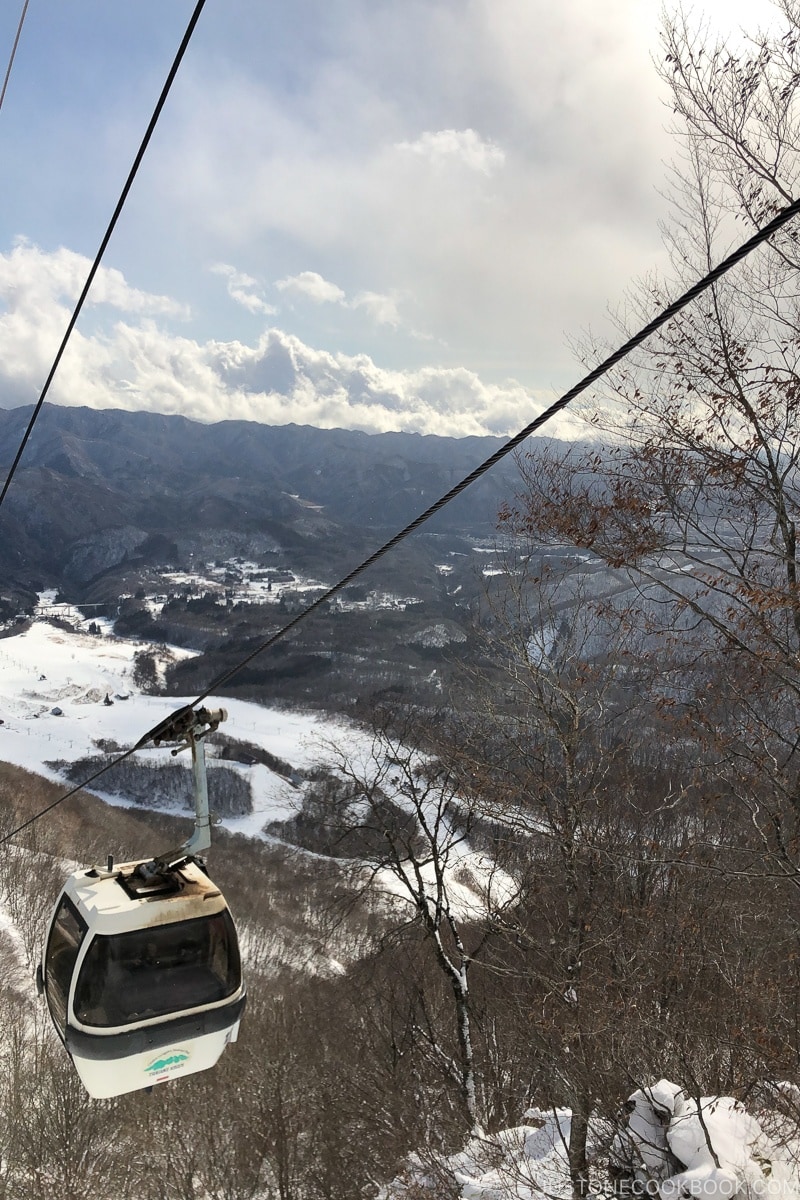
column 207, row 536
column 344, row 1082
column 525, row 877
column 101, row 491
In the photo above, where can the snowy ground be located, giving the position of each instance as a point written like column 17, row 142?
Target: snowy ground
column 672, row 1148
column 54, row 688
column 528, row 1162
column 678, row 1146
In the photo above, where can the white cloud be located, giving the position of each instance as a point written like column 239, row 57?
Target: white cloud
column 291, row 381
column 240, row 288
column 495, row 164
column 134, row 363
column 463, row 146
column 480, row 179
column 381, row 309
column 38, row 292
column 312, row 285
column 31, row 277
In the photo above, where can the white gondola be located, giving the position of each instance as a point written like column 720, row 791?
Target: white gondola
column 141, row 968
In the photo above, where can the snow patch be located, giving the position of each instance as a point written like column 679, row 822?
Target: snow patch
column 706, row 1147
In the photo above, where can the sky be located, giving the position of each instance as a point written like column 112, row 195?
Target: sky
column 354, row 213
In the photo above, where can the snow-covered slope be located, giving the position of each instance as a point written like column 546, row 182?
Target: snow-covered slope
column 66, row 695
column 55, row 689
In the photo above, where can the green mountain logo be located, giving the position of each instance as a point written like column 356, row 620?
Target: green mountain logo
column 169, row 1060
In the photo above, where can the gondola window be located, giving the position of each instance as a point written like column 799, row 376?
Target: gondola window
column 66, row 936
column 162, row 969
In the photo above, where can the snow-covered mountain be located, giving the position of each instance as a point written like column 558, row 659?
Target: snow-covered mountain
column 101, row 491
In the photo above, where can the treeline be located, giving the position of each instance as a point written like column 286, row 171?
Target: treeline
column 155, row 785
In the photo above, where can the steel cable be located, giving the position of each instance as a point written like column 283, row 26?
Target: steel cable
column 13, row 53
column 106, row 239
column 761, row 236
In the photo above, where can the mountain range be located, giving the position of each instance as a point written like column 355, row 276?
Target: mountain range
column 98, row 491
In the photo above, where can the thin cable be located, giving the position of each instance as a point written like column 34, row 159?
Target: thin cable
column 106, row 239
column 677, row 305
column 13, row 52
column 79, row 787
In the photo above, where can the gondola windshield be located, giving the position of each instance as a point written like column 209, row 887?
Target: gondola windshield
column 151, row 972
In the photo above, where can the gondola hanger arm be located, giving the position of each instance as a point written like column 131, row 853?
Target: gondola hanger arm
column 189, row 727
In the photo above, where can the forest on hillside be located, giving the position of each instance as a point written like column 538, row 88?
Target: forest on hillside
column 626, row 768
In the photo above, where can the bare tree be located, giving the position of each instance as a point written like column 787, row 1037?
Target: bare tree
column 699, row 474
column 416, row 825
column 685, row 504
column 689, row 495
column 543, row 735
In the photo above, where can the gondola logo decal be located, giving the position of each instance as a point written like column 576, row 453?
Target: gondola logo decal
column 168, row 1063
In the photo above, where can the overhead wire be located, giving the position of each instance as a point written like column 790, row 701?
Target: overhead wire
column 508, row 447
column 757, row 239
column 13, row 53
column 173, row 71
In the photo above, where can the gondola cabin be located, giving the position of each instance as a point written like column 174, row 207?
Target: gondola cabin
column 142, row 975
